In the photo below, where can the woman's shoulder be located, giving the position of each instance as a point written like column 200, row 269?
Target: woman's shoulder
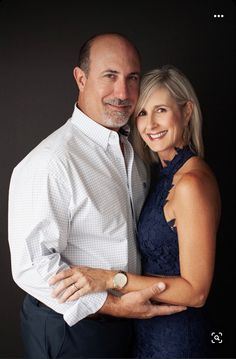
column 196, row 177
column 197, row 186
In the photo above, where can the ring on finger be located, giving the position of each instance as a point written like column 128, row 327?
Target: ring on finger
column 74, row 285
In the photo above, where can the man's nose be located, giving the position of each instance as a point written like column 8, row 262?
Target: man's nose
column 121, row 89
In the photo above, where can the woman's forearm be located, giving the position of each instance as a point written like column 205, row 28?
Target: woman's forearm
column 75, row 282
column 179, row 291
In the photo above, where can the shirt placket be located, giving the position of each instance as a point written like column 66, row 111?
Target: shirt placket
column 124, row 162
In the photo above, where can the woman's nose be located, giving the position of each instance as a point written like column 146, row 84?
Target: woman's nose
column 150, row 123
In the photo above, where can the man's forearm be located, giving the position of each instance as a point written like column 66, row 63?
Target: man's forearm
column 137, row 304
column 112, row 306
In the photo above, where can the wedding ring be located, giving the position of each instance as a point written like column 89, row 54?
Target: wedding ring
column 74, row 285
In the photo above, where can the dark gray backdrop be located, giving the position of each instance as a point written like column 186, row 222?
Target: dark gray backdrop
column 39, row 45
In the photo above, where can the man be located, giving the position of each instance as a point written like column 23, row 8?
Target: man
column 74, row 200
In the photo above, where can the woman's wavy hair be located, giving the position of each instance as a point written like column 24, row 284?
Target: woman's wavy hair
column 181, row 91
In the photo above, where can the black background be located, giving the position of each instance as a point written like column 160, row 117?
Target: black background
column 39, row 43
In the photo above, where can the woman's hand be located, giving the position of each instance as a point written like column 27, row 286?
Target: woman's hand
column 77, row 281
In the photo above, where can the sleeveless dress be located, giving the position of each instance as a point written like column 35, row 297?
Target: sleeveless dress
column 180, row 335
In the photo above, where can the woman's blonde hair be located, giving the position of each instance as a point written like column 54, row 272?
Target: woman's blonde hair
column 181, row 91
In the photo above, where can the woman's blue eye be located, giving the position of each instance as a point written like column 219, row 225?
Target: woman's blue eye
column 161, row 109
column 142, row 113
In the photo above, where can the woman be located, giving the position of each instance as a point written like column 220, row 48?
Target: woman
column 178, row 224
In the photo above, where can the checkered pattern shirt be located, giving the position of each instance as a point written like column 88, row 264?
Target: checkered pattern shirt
column 75, row 199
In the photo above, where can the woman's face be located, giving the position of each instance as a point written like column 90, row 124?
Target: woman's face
column 161, row 123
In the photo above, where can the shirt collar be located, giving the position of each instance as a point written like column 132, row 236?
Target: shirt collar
column 94, row 130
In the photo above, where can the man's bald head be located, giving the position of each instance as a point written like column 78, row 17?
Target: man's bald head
column 85, row 50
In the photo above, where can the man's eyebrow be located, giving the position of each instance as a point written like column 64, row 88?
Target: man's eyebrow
column 110, row 71
column 136, row 73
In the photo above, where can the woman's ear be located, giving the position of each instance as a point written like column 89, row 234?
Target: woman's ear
column 80, row 78
column 188, row 110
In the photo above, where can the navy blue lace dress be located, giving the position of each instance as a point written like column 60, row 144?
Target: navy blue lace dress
column 180, row 335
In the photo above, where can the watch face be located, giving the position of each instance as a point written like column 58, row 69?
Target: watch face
column 120, row 280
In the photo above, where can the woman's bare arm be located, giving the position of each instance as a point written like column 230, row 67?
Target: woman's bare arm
column 196, row 207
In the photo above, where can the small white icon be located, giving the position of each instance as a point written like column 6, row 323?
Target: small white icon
column 216, row 337
column 218, row 15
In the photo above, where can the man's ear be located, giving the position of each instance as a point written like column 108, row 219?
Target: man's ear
column 80, row 78
column 188, row 110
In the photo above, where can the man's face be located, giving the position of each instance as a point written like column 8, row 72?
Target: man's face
column 110, row 92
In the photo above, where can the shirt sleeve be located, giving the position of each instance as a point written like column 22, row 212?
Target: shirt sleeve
column 39, row 223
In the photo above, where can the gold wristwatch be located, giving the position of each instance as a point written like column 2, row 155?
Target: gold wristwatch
column 120, row 280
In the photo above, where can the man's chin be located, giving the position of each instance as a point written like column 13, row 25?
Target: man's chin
column 117, row 121
column 118, row 124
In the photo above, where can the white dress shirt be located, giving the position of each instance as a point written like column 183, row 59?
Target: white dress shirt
column 74, row 200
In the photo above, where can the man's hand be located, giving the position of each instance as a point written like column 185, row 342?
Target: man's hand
column 77, row 281
column 137, row 304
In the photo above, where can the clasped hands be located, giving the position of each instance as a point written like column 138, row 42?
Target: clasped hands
column 77, row 281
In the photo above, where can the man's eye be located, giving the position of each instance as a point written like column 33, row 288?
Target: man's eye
column 110, row 76
column 134, row 78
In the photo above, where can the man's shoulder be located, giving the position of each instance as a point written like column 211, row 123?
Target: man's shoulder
column 49, row 151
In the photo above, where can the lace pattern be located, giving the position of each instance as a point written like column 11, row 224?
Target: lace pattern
column 180, row 335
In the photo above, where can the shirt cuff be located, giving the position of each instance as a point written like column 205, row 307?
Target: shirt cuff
column 86, row 305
